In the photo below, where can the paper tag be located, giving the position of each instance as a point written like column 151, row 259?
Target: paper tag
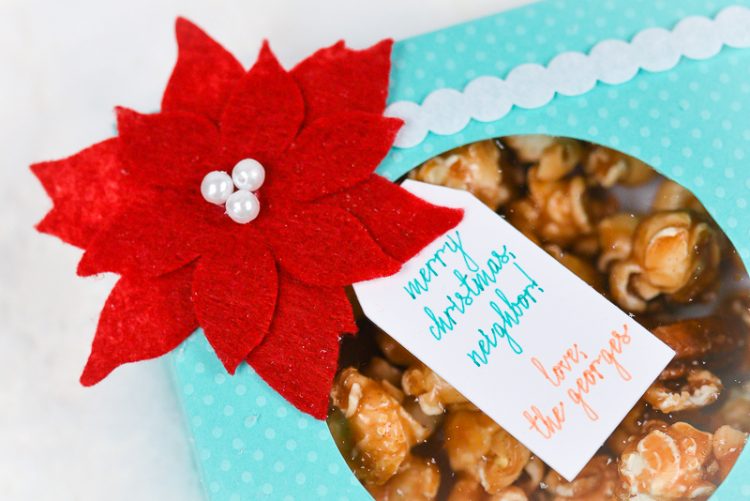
column 537, row 349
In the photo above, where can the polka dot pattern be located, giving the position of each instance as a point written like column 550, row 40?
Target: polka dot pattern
column 689, row 122
column 250, row 443
column 488, row 98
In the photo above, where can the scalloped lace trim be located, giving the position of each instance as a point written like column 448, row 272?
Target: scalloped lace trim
column 489, row 98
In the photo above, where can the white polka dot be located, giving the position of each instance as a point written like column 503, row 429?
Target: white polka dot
column 250, row 421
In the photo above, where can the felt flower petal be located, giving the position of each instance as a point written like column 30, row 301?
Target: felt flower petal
column 337, row 79
column 234, row 296
column 204, row 75
column 141, row 319
column 334, row 153
column 298, row 357
column 264, row 112
column 172, row 150
column 84, row 188
column 152, row 235
column 401, row 223
column 325, row 245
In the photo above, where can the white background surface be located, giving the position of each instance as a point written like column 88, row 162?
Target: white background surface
column 64, row 65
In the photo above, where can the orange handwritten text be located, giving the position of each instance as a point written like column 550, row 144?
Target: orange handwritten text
column 591, row 375
column 546, row 426
column 570, row 358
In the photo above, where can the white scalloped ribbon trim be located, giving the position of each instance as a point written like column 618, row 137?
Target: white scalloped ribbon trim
column 489, row 98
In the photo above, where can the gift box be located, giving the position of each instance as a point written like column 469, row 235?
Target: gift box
column 553, row 116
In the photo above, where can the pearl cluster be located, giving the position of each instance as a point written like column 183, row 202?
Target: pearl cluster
column 242, row 206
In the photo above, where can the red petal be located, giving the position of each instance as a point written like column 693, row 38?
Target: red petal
column 401, row 223
column 204, row 75
column 85, row 188
column 264, row 112
column 338, row 79
column 334, row 153
column 152, row 235
column 141, row 319
column 173, row 150
column 234, row 294
column 299, row 355
column 325, row 245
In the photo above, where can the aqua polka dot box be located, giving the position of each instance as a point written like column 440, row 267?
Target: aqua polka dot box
column 500, row 261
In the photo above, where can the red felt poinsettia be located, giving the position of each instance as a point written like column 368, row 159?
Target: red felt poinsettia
column 270, row 291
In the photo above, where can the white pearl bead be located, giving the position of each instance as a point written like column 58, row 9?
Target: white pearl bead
column 248, row 174
column 242, row 206
column 216, row 187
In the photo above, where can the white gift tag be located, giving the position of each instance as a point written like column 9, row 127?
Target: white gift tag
column 524, row 339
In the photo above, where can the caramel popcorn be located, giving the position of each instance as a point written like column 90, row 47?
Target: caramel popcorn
column 630, row 426
column 466, row 488
column 559, row 159
column 727, row 446
column 596, row 482
column 529, row 147
column 380, row 369
column 671, row 196
column 382, row 431
column 668, row 464
column 532, row 475
column 477, row 168
column 704, row 338
column 511, row 493
column 557, row 212
column 736, row 410
column 701, row 388
column 607, row 167
column 432, row 392
column 476, row 445
column 736, row 309
column 673, row 253
column 429, row 422
column 417, row 479
column 408, row 434
column 616, row 238
column 581, row 267
column 394, row 352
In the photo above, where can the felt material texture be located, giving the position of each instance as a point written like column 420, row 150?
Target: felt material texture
column 204, row 75
column 234, row 294
column 333, row 153
column 84, row 187
column 141, row 319
column 398, row 221
column 306, row 327
column 271, row 291
column 264, row 112
column 355, row 80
